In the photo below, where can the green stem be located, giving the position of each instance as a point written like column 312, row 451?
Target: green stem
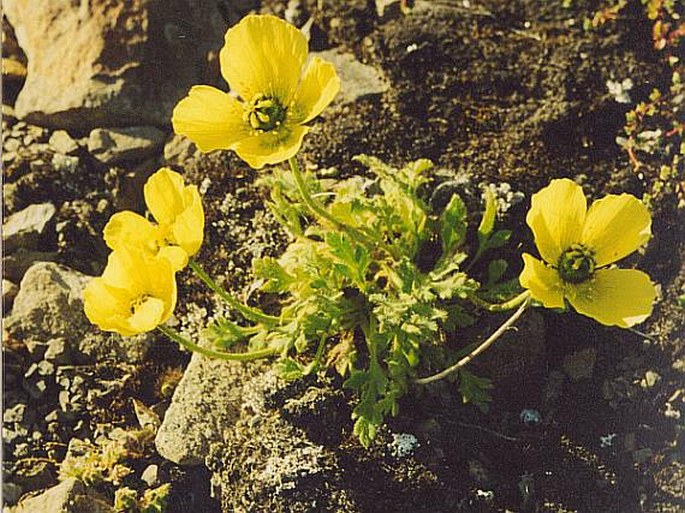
column 252, row 314
column 321, row 212
column 478, row 350
column 500, row 307
column 192, row 346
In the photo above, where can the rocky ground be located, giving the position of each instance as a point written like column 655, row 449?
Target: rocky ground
column 584, row 418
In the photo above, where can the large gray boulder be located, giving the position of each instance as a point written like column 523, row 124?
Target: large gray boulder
column 112, row 63
column 48, row 316
column 205, row 403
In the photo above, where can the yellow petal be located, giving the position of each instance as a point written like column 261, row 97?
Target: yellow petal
column 147, row 316
column 122, row 271
column 320, row 83
column 188, row 228
column 128, row 228
column 271, row 147
column 103, row 304
column 620, row 297
column 176, row 255
column 556, row 217
column 542, row 281
column 263, row 54
column 210, row 118
column 616, row 226
column 164, row 195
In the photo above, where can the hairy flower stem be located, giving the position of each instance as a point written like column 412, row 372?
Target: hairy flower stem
column 500, row 307
column 249, row 313
column 478, row 350
column 192, row 346
column 321, row 212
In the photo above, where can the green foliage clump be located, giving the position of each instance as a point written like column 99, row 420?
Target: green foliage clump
column 153, row 500
column 375, row 290
column 104, row 464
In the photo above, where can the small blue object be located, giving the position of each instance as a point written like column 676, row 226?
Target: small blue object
column 529, row 417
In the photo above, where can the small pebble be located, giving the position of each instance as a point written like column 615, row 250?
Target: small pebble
column 151, row 475
column 530, row 417
column 15, row 414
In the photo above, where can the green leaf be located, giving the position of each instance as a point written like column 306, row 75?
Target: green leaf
column 277, row 278
column 354, row 258
column 224, row 333
column 365, row 431
column 487, row 223
column 457, row 317
column 453, row 225
column 496, row 270
column 457, row 284
column 475, row 389
column 498, row 239
column 289, row 369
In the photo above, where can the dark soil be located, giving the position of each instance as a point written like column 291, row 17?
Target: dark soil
column 496, row 91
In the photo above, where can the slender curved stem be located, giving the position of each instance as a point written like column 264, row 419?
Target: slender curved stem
column 500, row 307
column 192, row 346
column 252, row 314
column 478, row 350
column 321, row 212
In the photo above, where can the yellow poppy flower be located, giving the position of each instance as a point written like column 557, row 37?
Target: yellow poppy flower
column 578, row 244
column 263, row 61
column 178, row 210
column 135, row 294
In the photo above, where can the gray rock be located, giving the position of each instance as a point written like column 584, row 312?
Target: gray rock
column 112, row 146
column 14, row 266
column 49, row 306
column 356, row 79
column 11, row 493
column 206, row 402
column 9, row 292
column 57, row 351
column 70, row 496
column 26, row 227
column 179, row 149
column 16, row 413
column 62, row 142
column 113, row 62
column 151, row 475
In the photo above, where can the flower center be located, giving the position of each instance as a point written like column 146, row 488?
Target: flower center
column 264, row 113
column 138, row 302
column 576, row 264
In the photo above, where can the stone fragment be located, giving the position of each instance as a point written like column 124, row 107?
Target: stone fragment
column 112, row 146
column 49, row 306
column 58, row 351
column 11, row 493
column 15, row 414
column 151, row 475
column 112, row 62
column 357, row 80
column 70, row 496
column 179, row 149
column 14, row 266
column 9, row 292
column 204, row 404
column 26, row 227
column 61, row 142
